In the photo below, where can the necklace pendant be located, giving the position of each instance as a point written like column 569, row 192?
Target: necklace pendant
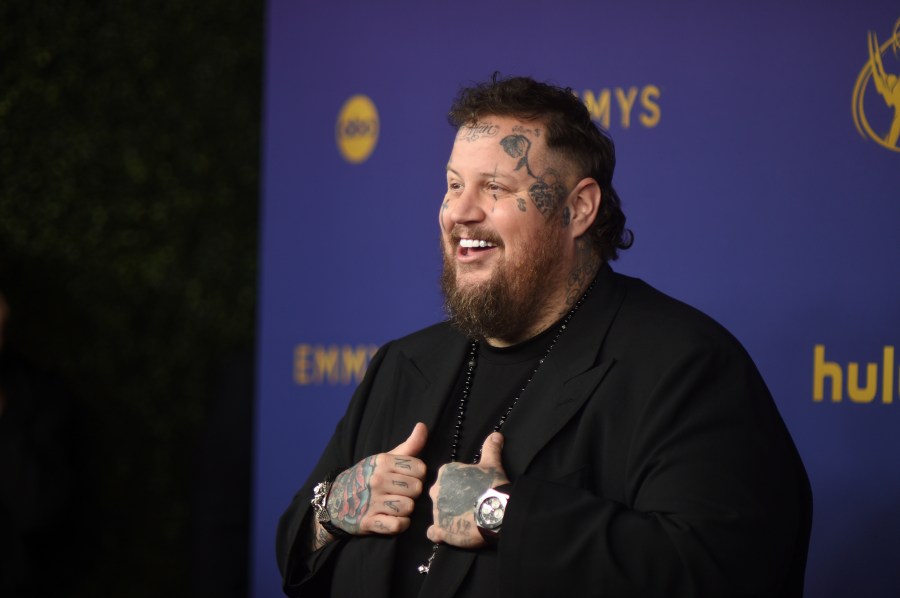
column 425, row 567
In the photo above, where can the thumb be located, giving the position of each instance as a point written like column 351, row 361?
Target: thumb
column 413, row 445
column 490, row 451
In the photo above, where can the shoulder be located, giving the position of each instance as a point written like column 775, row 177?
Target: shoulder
column 660, row 323
column 425, row 344
column 665, row 348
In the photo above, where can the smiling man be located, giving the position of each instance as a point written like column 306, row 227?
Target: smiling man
column 568, row 428
column 510, row 223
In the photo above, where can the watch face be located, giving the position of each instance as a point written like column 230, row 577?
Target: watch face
column 490, row 512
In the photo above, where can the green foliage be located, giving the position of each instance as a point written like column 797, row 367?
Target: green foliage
column 129, row 153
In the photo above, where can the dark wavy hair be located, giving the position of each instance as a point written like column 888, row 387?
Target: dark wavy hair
column 570, row 133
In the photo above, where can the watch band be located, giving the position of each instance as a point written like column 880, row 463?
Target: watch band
column 319, row 504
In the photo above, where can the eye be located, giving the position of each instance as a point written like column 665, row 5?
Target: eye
column 454, row 186
column 494, row 187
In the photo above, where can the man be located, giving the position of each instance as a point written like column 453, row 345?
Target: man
column 575, row 430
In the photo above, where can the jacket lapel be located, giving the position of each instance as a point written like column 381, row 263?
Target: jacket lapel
column 441, row 368
column 567, row 379
column 435, row 372
column 426, row 378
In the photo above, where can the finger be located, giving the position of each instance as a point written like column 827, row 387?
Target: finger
column 491, row 451
column 397, row 475
column 435, row 489
column 435, row 534
column 413, row 445
column 403, row 458
column 387, row 525
column 393, row 505
column 404, row 485
column 402, row 466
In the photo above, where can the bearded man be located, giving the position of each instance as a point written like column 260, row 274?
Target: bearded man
column 574, row 429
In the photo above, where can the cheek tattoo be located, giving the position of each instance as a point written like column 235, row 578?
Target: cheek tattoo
column 548, row 191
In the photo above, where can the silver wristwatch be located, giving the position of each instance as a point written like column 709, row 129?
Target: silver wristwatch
column 489, row 510
column 319, row 504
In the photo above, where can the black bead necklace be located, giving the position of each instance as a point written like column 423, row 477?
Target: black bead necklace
column 464, row 399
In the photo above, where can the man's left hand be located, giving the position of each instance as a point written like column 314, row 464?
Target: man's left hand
column 458, row 486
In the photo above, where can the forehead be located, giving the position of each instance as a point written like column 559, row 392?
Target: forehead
column 505, row 142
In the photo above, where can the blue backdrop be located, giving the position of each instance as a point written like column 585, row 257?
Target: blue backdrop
column 756, row 168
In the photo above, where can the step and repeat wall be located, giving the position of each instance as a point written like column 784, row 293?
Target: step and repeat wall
column 759, row 168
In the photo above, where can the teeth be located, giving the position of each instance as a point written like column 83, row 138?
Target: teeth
column 475, row 243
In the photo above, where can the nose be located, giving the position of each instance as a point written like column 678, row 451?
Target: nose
column 463, row 208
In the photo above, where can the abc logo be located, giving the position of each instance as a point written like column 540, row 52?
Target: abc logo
column 357, row 129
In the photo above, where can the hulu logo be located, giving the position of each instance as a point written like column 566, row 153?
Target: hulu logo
column 861, row 388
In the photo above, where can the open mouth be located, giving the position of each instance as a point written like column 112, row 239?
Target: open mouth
column 475, row 246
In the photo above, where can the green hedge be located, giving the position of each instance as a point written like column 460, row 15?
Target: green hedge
column 129, row 164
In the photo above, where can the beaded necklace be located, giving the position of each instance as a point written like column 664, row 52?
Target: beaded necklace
column 464, row 399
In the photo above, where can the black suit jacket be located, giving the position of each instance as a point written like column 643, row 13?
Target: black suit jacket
column 647, row 457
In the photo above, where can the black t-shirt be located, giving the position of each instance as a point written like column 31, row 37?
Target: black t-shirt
column 499, row 377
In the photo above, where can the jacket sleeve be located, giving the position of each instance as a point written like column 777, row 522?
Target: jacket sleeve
column 303, row 571
column 714, row 500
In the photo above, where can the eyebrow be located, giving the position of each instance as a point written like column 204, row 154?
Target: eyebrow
column 487, row 175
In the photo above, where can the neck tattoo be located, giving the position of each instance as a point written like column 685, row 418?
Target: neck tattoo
column 464, row 399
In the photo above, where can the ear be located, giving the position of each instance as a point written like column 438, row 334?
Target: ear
column 583, row 204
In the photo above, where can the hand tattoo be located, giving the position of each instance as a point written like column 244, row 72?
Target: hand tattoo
column 460, row 486
column 349, row 499
column 321, row 538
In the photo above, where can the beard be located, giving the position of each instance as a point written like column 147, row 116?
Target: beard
column 511, row 302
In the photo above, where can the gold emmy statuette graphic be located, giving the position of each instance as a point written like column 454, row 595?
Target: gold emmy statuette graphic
column 887, row 84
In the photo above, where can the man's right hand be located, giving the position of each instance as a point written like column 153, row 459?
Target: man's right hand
column 376, row 496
